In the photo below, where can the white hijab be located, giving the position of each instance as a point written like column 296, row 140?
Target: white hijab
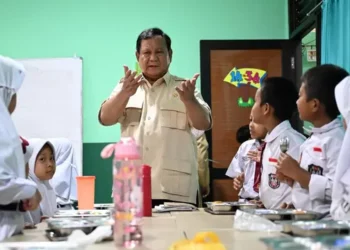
column 48, row 203
column 12, row 75
column 342, row 175
column 64, row 180
column 13, row 184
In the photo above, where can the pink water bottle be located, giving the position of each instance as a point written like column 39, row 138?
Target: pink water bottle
column 127, row 192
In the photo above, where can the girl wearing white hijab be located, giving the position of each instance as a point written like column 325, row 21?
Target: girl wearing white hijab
column 64, row 180
column 17, row 194
column 340, row 208
column 42, row 168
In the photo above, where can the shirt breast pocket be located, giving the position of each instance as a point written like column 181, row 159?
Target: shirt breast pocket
column 132, row 116
column 173, row 115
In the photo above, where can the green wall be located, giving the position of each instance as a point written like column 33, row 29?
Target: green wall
column 104, row 32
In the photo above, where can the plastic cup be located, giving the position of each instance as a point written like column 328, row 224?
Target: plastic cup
column 86, row 192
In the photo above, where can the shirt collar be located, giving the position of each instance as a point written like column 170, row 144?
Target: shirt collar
column 329, row 126
column 166, row 78
column 277, row 131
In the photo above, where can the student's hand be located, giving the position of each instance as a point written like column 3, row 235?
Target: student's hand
column 287, row 165
column 287, row 206
column 254, row 155
column 130, row 82
column 186, row 89
column 281, row 177
column 29, row 226
column 32, row 203
column 258, row 203
column 205, row 191
column 238, row 182
column 43, row 218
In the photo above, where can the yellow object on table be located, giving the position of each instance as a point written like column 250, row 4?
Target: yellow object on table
column 202, row 241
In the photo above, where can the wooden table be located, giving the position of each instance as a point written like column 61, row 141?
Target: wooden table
column 161, row 230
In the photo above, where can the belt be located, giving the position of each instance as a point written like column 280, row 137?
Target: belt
column 16, row 206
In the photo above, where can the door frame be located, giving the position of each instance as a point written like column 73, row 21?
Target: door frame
column 291, row 69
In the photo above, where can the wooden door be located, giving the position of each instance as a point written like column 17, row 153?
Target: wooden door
column 231, row 72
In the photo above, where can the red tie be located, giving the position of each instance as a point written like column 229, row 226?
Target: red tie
column 25, row 143
column 258, row 165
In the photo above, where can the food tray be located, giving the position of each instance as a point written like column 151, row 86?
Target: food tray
column 314, row 228
column 39, row 245
column 60, row 228
column 334, row 241
column 208, row 210
column 229, row 206
column 285, row 214
column 290, row 243
column 315, row 243
column 82, row 213
column 104, row 206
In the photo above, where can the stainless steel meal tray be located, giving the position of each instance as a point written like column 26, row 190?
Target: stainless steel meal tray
column 285, row 214
column 229, row 206
column 286, row 243
column 60, row 228
column 104, row 206
column 314, row 228
column 334, row 241
column 82, row 213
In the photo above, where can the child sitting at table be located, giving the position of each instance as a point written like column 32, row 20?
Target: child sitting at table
column 64, row 181
column 340, row 208
column 245, row 171
column 17, row 194
column 275, row 103
column 313, row 174
column 42, row 167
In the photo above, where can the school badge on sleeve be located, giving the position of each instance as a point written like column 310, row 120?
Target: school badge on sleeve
column 313, row 169
column 274, row 183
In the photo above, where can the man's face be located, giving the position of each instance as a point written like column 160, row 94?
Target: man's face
column 154, row 58
column 257, row 112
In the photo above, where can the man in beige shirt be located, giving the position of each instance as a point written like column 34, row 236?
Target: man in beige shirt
column 159, row 109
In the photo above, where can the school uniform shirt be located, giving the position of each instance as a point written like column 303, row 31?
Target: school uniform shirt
column 273, row 193
column 319, row 156
column 157, row 119
column 340, row 208
column 14, row 186
column 242, row 164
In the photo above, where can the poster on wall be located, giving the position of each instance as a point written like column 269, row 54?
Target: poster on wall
column 251, row 77
column 311, row 55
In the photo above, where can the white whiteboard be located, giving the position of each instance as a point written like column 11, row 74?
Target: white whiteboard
column 49, row 103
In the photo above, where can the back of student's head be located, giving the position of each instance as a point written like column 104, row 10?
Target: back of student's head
column 319, row 83
column 243, row 134
column 281, row 94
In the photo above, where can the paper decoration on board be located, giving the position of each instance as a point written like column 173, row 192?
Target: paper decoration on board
column 245, row 76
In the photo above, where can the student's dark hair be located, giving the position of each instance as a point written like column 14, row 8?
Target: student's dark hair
column 281, row 94
column 150, row 33
column 243, row 134
column 320, row 82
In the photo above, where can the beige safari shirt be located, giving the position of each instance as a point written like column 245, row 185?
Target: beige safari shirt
column 156, row 117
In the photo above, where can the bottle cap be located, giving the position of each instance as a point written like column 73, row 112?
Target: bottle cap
column 126, row 148
column 146, row 170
